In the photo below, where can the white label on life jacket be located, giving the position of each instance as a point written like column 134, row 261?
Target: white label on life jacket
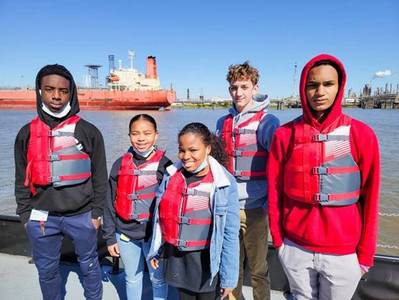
column 38, row 215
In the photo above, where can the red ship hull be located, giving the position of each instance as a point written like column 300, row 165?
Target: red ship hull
column 95, row 99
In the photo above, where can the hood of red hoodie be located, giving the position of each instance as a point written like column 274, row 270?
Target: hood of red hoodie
column 336, row 109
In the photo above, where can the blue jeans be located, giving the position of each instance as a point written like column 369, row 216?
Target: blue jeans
column 46, row 247
column 134, row 254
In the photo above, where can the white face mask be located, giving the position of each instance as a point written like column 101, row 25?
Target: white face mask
column 144, row 154
column 58, row 115
column 202, row 166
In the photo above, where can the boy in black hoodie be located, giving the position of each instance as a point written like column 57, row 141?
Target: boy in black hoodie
column 60, row 182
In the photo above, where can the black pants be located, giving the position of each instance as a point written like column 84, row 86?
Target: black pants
column 189, row 295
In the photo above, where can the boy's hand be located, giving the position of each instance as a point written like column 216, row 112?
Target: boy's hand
column 113, row 250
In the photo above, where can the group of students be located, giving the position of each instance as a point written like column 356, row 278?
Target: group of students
column 195, row 222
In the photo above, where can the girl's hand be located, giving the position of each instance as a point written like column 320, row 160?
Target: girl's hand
column 154, row 263
column 225, row 292
column 113, row 250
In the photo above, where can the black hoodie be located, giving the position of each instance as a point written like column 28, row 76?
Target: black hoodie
column 68, row 200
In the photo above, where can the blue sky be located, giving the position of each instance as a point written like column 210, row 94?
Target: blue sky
column 196, row 41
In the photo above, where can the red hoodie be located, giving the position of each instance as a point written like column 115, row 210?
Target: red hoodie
column 326, row 229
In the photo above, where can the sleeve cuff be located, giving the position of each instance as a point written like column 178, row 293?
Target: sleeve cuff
column 24, row 217
column 364, row 268
column 111, row 241
column 366, row 260
column 96, row 212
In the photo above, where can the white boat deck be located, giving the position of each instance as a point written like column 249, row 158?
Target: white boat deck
column 19, row 281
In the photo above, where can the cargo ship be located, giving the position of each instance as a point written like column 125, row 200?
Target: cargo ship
column 127, row 89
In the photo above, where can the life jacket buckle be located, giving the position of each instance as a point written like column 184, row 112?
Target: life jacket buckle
column 322, row 197
column 54, row 157
column 247, row 131
column 54, row 133
column 320, row 170
column 137, row 172
column 190, row 192
column 320, row 137
column 237, row 173
column 181, row 243
column 183, row 220
column 53, row 179
column 133, row 196
column 237, row 153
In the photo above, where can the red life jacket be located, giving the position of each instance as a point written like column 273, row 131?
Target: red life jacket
column 54, row 158
column 246, row 157
column 185, row 214
column 136, row 187
column 321, row 169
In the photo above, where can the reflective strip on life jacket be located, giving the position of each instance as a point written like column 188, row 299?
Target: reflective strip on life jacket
column 136, row 187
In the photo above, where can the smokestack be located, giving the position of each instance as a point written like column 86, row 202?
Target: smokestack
column 151, row 68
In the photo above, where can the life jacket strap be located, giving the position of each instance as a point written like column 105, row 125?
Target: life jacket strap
column 56, row 133
column 238, row 153
column 54, row 179
column 146, row 196
column 188, row 244
column 334, row 170
column 194, row 192
column 192, row 221
column 143, row 216
column 250, row 173
column 325, row 199
column 329, row 137
column 58, row 157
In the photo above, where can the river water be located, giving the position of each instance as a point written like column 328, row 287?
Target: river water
column 113, row 126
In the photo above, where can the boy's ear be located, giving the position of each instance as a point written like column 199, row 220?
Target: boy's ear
column 255, row 89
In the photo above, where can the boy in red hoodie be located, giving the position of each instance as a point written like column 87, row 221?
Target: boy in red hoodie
column 324, row 177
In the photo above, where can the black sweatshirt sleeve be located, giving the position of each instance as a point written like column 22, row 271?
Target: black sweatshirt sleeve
column 22, row 193
column 109, row 224
column 93, row 144
column 163, row 164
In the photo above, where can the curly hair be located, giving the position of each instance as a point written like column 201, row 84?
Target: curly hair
column 208, row 138
column 243, row 72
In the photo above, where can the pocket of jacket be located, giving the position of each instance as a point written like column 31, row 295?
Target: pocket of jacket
column 220, row 210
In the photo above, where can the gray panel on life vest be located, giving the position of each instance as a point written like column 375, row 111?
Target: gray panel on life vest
column 71, row 167
column 346, row 161
column 191, row 232
column 69, row 150
column 340, row 183
column 144, row 206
